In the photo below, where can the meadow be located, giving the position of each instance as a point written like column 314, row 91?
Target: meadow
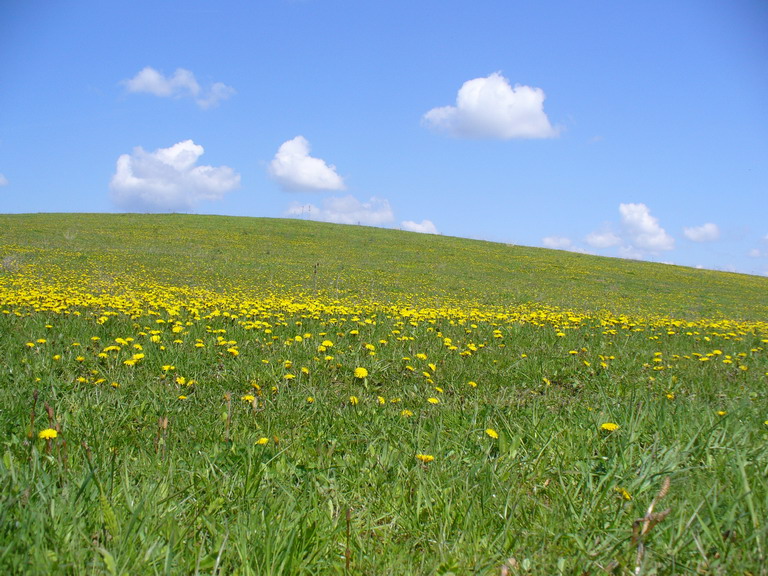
column 211, row 395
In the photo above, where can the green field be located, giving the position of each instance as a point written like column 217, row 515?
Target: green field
column 258, row 396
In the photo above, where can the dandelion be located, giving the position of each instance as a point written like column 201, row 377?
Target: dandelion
column 263, row 440
column 47, row 434
column 609, row 426
column 381, row 400
column 624, row 494
column 492, row 433
column 408, row 414
column 361, row 373
column 182, row 397
column 721, row 412
column 425, row 458
column 354, row 400
column 248, row 398
column 310, row 399
column 472, row 384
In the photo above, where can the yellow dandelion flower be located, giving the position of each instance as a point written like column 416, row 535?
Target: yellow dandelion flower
column 492, row 433
column 426, row 458
column 361, row 373
column 248, row 398
column 182, row 397
column 433, row 400
column 263, row 440
column 354, row 400
column 310, row 399
column 472, row 384
column 609, row 426
column 408, row 414
column 624, row 494
column 47, row 434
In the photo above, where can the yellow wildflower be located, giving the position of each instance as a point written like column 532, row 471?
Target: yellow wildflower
column 47, row 434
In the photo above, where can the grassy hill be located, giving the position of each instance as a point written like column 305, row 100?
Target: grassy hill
column 383, row 264
column 211, row 395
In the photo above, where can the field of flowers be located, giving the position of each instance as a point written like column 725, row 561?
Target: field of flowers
column 209, row 395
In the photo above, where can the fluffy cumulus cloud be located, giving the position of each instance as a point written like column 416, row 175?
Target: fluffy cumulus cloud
column 169, row 179
column 425, row 226
column 295, row 170
column 708, row 232
column 642, row 230
column 181, row 85
column 346, row 210
column 638, row 234
column 491, row 108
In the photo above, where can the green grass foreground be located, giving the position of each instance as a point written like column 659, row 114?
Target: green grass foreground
column 212, row 395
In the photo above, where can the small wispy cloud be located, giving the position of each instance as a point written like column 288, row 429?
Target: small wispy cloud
column 181, row 85
column 708, row 232
column 491, row 108
column 3, row 180
column 295, row 170
column 425, row 226
column 605, row 239
column 557, row 242
column 346, row 210
column 169, row 179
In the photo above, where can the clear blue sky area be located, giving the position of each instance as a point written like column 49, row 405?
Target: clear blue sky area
column 630, row 129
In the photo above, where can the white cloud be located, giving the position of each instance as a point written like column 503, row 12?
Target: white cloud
column 704, row 233
column 3, row 180
column 346, row 210
column 168, row 179
column 295, row 170
column 642, row 231
column 603, row 239
column 557, row 242
column 426, row 226
column 491, row 108
column 181, row 85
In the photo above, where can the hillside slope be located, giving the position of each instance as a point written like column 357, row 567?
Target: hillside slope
column 381, row 264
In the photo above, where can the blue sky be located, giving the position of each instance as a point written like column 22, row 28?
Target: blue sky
column 630, row 129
